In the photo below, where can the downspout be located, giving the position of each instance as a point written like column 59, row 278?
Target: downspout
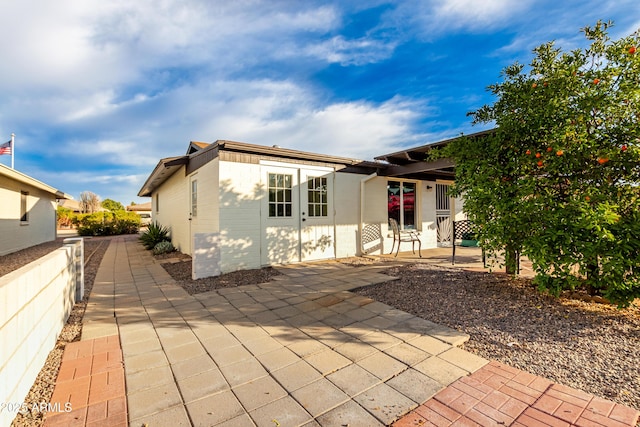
column 363, row 181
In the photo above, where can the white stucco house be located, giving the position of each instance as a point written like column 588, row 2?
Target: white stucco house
column 27, row 211
column 234, row 205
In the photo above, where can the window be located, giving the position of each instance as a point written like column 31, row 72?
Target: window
column 24, row 213
column 194, row 198
column 279, row 195
column 401, row 203
column 317, row 196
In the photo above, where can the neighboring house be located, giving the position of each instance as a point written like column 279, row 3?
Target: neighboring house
column 74, row 205
column 27, row 211
column 237, row 206
column 143, row 210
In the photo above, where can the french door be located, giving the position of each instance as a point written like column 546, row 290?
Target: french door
column 297, row 214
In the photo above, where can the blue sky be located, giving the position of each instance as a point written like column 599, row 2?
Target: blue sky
column 98, row 91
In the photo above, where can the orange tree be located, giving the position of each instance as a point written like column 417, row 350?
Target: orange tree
column 559, row 177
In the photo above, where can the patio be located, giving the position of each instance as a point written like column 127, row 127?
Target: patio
column 301, row 350
column 468, row 258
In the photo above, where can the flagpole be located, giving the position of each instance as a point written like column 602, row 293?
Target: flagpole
column 13, row 148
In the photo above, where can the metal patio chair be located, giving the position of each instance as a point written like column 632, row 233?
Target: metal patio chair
column 404, row 236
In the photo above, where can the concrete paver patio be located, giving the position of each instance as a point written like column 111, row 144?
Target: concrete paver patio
column 300, row 350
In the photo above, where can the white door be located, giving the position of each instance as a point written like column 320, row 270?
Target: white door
column 317, row 239
column 297, row 217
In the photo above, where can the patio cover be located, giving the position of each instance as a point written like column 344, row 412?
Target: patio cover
column 411, row 164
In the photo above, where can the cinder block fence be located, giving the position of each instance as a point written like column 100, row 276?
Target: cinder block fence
column 35, row 302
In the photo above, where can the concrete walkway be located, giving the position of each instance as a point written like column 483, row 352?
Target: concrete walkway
column 300, row 350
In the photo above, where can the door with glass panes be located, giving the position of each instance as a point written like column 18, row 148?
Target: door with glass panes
column 297, row 219
column 401, row 203
column 317, row 221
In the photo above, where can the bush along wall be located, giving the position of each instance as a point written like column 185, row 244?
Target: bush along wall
column 155, row 234
column 107, row 223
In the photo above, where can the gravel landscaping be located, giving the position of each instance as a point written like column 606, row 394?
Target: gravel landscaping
column 180, row 271
column 42, row 389
column 586, row 345
column 15, row 260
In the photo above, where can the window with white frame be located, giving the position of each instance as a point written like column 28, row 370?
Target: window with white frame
column 317, row 201
column 401, row 198
column 194, row 198
column 280, row 193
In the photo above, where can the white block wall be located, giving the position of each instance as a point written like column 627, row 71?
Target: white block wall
column 240, row 198
column 35, row 302
column 41, row 226
column 347, row 206
column 173, row 211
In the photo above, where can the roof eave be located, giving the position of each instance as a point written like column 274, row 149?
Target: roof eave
column 285, row 153
column 410, row 154
column 163, row 170
column 26, row 179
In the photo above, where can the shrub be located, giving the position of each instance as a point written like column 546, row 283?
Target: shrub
column 65, row 217
column 107, row 223
column 154, row 234
column 163, row 248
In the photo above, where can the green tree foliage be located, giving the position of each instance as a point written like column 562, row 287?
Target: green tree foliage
column 64, row 217
column 107, row 223
column 559, row 178
column 112, row 205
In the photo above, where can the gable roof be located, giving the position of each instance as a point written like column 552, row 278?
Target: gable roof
column 200, row 153
column 195, row 146
column 409, row 163
column 27, row 180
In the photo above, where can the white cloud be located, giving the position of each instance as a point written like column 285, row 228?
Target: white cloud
column 80, row 44
column 351, row 52
column 476, row 14
column 431, row 19
column 269, row 112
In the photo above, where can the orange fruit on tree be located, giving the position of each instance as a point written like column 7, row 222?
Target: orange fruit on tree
column 549, row 149
column 602, row 160
column 540, row 163
column 528, row 152
column 535, row 85
column 538, row 155
column 596, row 81
column 632, row 50
column 559, row 153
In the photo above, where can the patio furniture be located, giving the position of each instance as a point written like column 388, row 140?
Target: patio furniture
column 463, row 231
column 371, row 240
column 404, row 236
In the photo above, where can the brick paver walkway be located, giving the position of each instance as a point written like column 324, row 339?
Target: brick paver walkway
column 499, row 395
column 300, row 350
column 90, row 388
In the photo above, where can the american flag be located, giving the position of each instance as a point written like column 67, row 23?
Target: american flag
column 5, row 148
